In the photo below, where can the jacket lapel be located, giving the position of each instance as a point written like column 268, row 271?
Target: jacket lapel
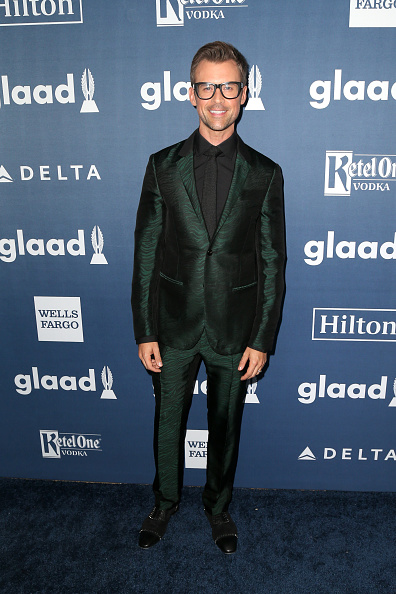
column 241, row 171
column 185, row 165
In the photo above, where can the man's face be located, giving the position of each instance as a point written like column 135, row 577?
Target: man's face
column 217, row 114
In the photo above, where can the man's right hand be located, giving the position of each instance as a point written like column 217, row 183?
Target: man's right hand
column 149, row 354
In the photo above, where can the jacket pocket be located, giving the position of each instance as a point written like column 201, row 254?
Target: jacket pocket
column 171, row 280
column 244, row 286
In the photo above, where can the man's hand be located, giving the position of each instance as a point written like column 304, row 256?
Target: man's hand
column 256, row 359
column 146, row 350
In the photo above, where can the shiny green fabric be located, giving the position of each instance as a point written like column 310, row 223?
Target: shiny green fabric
column 173, row 394
column 231, row 285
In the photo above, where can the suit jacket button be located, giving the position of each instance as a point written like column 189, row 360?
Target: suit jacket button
column 209, row 252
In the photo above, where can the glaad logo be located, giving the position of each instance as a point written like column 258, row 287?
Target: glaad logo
column 377, row 325
column 359, row 454
column 26, row 383
column 195, row 448
column 307, row 454
column 309, row 391
column 372, row 13
column 56, row 445
column 316, row 251
column 52, row 172
column 40, row 12
column 251, row 396
column 170, row 13
column 44, row 94
column 59, row 319
column 352, row 90
column 255, row 84
column 11, row 248
column 369, row 172
column 151, row 92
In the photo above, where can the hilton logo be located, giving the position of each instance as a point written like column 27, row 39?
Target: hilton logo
column 362, row 325
column 40, row 12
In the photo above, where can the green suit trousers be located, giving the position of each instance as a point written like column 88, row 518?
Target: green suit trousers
column 173, row 389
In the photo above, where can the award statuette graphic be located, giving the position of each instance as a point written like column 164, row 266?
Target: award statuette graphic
column 97, row 244
column 393, row 401
column 107, row 381
column 251, row 396
column 255, row 84
column 88, row 89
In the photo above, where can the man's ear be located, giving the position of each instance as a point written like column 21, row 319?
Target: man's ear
column 191, row 96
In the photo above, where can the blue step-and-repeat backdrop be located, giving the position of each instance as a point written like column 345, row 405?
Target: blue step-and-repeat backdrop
column 88, row 90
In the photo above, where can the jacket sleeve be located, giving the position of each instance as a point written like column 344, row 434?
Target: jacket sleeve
column 148, row 256
column 271, row 257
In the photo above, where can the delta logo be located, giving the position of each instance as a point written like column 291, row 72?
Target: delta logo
column 358, row 454
column 26, row 173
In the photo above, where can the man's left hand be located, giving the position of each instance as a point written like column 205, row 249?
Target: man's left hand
column 256, row 359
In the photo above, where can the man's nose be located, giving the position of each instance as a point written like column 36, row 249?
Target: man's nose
column 218, row 94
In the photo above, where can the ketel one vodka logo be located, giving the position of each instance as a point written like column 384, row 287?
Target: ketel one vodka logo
column 55, row 444
column 345, row 171
column 97, row 244
column 88, row 89
column 255, row 84
column 45, row 93
column 107, row 381
column 170, row 13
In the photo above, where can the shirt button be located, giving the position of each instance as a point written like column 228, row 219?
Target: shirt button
column 209, row 252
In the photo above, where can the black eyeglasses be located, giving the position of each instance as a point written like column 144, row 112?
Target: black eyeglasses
column 229, row 90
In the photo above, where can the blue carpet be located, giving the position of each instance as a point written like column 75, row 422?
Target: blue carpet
column 78, row 538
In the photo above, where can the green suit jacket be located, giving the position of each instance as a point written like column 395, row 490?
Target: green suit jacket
column 183, row 281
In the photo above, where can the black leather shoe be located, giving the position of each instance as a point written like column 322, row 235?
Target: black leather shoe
column 224, row 532
column 154, row 526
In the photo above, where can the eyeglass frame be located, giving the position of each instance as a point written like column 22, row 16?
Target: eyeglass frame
column 219, row 86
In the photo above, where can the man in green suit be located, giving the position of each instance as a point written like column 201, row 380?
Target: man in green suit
column 207, row 285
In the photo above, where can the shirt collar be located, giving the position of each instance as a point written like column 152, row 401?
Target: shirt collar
column 228, row 147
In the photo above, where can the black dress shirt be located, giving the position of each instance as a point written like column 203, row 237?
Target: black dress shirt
column 225, row 167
